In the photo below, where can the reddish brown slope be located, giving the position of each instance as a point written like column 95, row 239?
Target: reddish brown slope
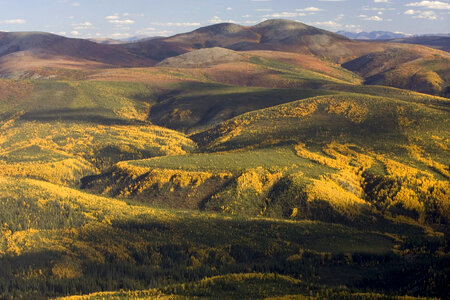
column 24, row 51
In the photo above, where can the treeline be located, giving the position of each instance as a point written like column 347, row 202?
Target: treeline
column 417, row 268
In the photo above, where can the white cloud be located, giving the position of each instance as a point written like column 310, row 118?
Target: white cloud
column 85, row 25
column 328, row 24
column 229, row 8
column 119, row 35
column 431, row 4
column 13, row 21
column 366, row 8
column 216, row 20
column 311, row 8
column 171, row 24
column 115, row 17
column 121, row 22
column 74, row 32
column 332, row 0
column 285, row 15
column 373, row 18
column 150, row 31
column 263, row 9
column 75, row 3
column 418, row 14
column 381, row 1
column 430, row 15
column 354, row 28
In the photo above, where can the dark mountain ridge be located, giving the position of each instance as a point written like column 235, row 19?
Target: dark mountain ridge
column 47, row 45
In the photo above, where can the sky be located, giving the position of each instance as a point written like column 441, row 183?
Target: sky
column 120, row 19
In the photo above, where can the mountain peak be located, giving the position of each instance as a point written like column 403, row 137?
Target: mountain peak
column 222, row 28
column 282, row 24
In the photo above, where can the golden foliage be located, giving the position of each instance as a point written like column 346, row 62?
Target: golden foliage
column 258, row 180
column 352, row 111
column 419, row 154
column 64, row 152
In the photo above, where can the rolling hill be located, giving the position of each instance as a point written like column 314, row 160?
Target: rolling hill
column 22, row 52
column 274, row 161
column 419, row 69
column 278, row 35
column 42, row 55
column 437, row 42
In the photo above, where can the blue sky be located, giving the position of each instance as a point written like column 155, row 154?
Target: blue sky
column 126, row 18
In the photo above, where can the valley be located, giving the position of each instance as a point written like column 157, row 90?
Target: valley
column 275, row 161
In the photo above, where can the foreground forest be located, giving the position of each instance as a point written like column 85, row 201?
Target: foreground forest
column 234, row 168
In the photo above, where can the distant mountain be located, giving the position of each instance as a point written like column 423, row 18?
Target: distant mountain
column 138, row 38
column 437, row 42
column 32, row 54
column 106, row 41
column 373, row 35
column 275, row 35
column 22, row 51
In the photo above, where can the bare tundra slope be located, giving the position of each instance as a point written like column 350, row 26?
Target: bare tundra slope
column 231, row 162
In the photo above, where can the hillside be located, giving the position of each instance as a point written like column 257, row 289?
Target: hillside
column 70, row 240
column 275, row 161
column 420, row 69
column 201, row 58
column 43, row 55
column 345, row 141
column 278, row 35
column 437, row 42
column 22, row 52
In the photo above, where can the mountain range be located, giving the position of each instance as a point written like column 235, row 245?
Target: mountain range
column 27, row 54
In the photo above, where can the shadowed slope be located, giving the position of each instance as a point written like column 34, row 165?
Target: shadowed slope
column 22, row 51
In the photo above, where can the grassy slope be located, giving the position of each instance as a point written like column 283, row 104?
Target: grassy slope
column 376, row 165
column 147, row 247
column 63, row 131
column 416, row 68
column 338, row 154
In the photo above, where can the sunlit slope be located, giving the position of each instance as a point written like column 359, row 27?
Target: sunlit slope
column 415, row 68
column 81, row 243
column 63, row 131
column 328, row 157
column 371, row 122
column 270, row 66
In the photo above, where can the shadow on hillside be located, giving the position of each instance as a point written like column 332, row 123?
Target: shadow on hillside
column 85, row 115
column 148, row 252
column 214, row 104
